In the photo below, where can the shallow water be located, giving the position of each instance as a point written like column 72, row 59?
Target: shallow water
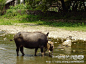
column 74, row 54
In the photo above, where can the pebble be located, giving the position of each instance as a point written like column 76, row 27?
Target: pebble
column 74, row 43
column 62, row 55
column 2, row 48
column 62, row 49
column 55, row 42
column 5, row 38
column 53, row 32
column 74, row 50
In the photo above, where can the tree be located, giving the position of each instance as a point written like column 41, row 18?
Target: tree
column 73, row 5
column 77, row 5
column 2, row 4
column 63, row 5
column 40, row 4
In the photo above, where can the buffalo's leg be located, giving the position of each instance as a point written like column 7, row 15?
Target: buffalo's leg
column 42, row 51
column 21, row 49
column 17, row 50
column 36, row 51
column 45, row 49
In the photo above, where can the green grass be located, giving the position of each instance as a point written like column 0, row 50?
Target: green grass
column 14, row 15
column 83, row 29
column 8, row 21
column 72, row 26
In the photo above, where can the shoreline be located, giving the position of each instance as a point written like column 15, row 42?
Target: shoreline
column 54, row 32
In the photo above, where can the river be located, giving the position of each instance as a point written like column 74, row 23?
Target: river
column 74, row 54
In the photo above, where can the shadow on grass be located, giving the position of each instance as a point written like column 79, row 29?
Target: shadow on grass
column 51, row 21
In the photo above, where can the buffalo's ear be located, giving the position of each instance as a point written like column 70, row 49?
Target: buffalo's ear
column 47, row 34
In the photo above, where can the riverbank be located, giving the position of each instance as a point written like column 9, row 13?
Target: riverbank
column 54, row 32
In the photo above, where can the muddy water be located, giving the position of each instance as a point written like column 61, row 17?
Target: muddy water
column 74, row 54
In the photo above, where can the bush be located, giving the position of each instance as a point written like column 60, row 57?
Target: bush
column 19, row 6
column 6, row 23
column 15, row 10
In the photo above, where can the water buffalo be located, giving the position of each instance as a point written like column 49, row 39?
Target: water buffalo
column 30, row 40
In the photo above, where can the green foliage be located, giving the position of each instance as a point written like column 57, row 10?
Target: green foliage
column 42, row 5
column 65, row 5
column 19, row 6
column 77, row 5
column 15, row 11
column 19, row 12
column 4, row 21
column 61, row 24
column 29, row 7
column 30, row 18
column 2, row 4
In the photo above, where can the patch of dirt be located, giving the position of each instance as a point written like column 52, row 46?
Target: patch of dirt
column 53, row 31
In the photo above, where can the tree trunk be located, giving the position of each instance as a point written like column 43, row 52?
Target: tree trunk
column 63, row 5
column 84, row 5
column 16, row 2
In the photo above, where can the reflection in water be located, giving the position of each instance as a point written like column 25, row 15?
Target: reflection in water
column 67, row 50
column 19, row 60
column 2, row 48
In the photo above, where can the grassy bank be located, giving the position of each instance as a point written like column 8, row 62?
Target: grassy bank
column 67, row 21
column 72, row 26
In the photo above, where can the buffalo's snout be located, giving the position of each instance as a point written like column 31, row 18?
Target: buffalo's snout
column 50, row 47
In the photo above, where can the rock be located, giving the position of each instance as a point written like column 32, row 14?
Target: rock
column 11, row 40
column 74, row 50
column 4, row 38
column 62, row 49
column 61, row 54
column 74, row 43
column 55, row 42
column 68, row 41
column 2, row 48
